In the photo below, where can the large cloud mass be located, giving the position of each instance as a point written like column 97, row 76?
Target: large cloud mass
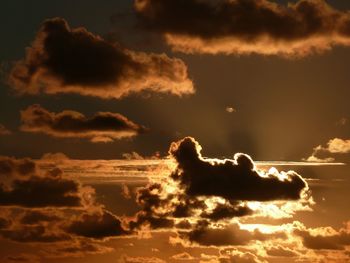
column 246, row 26
column 65, row 60
column 201, row 191
column 38, row 206
column 102, row 127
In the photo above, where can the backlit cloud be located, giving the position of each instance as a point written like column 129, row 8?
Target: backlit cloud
column 102, row 127
column 236, row 179
column 200, row 192
column 246, row 26
column 227, row 235
column 66, row 60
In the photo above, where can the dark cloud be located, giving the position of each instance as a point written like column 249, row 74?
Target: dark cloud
column 100, row 224
column 280, row 251
column 33, row 217
column 236, row 179
column 226, row 211
column 44, row 206
column 38, row 189
column 245, row 26
column 152, row 220
column 32, row 233
column 65, row 60
column 11, row 167
column 102, row 127
column 4, row 223
column 159, row 208
column 78, row 248
column 331, row 241
column 210, row 189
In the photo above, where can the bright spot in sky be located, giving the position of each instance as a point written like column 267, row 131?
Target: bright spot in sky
column 230, row 109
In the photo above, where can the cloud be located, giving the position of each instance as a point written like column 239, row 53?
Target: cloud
column 32, row 233
column 280, row 251
column 337, row 145
column 227, row 235
column 227, row 211
column 66, row 60
column 97, row 225
column 230, row 109
column 314, row 159
column 32, row 217
column 55, row 157
column 4, row 130
column 77, row 248
column 246, row 26
column 21, row 258
column 334, row 146
column 11, row 167
column 23, row 185
column 102, row 127
column 213, row 191
column 40, row 191
column 240, row 257
column 128, row 259
column 182, row 256
column 236, row 179
column 55, row 212
column 325, row 238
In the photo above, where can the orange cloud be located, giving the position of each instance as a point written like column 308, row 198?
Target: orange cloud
column 102, row 127
column 334, row 146
column 65, row 60
column 246, row 26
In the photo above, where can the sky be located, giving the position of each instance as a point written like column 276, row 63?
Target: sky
column 174, row 131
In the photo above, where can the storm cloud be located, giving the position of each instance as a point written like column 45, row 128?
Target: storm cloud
column 102, row 127
column 246, row 26
column 65, row 60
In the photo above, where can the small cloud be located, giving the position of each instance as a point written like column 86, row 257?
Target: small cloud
column 313, row 159
column 4, row 130
column 230, row 109
column 132, row 156
column 342, row 121
column 182, row 256
column 102, row 127
column 334, row 146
